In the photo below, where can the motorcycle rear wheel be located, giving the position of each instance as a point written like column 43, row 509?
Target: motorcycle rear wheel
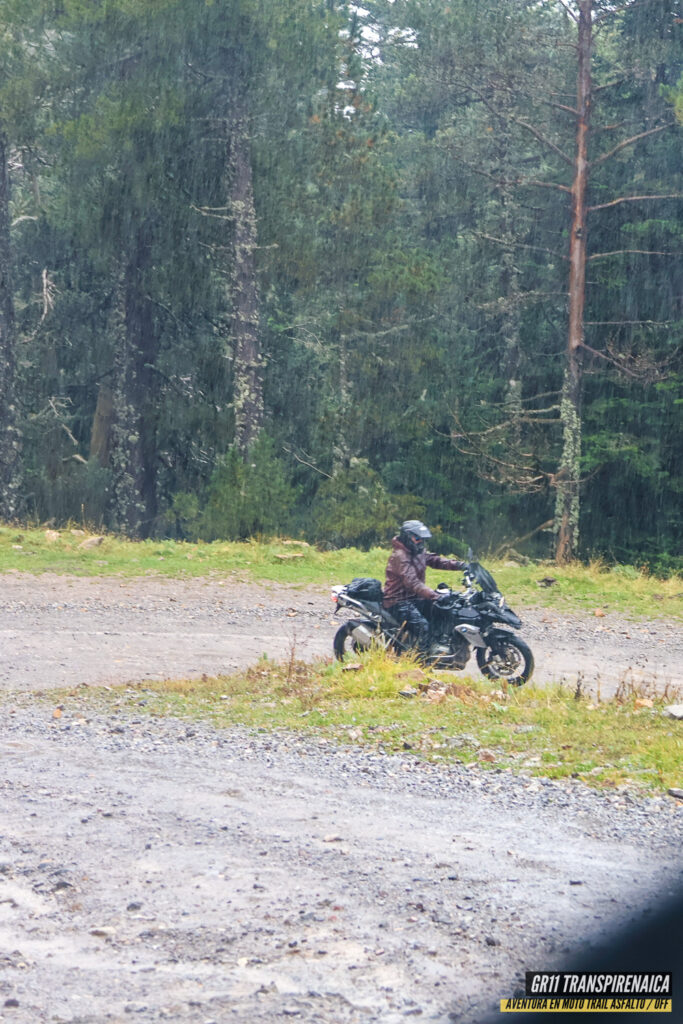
column 510, row 660
column 344, row 642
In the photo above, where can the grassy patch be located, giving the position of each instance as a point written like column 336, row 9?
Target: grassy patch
column 280, row 561
column 72, row 551
column 595, row 587
column 547, row 732
column 591, row 588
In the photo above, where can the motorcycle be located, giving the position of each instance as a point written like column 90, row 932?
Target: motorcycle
column 461, row 622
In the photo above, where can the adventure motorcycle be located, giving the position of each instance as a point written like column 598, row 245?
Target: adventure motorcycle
column 460, row 622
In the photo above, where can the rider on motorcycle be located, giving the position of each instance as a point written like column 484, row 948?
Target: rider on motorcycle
column 406, row 594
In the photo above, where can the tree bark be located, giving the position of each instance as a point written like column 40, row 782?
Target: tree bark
column 567, row 505
column 510, row 293
column 342, row 450
column 10, row 437
column 246, row 336
column 133, row 430
column 101, row 430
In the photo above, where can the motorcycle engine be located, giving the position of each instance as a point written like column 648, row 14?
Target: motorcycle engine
column 450, row 650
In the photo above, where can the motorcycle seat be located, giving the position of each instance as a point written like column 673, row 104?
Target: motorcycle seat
column 389, row 619
column 373, row 608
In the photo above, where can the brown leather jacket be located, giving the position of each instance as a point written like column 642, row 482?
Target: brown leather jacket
column 405, row 576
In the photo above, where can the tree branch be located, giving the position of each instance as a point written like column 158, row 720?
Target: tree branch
column 527, row 483
column 607, row 127
column 569, row 11
column 643, row 375
column 628, row 323
column 524, row 124
column 635, row 252
column 521, row 245
column 498, row 182
column 213, row 211
column 305, row 462
column 561, row 106
column 617, row 10
column 542, row 139
column 506, row 545
column 633, row 199
column 630, row 142
column 543, row 184
column 609, row 85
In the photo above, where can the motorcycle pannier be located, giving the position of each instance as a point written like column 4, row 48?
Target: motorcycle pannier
column 365, row 589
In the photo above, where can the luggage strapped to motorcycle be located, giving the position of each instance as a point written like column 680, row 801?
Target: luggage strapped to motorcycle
column 364, row 588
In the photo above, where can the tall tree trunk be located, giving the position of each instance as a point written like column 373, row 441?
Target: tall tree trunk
column 127, row 506
column 567, row 505
column 101, row 429
column 511, row 297
column 247, row 352
column 10, row 438
column 341, row 451
column 133, row 430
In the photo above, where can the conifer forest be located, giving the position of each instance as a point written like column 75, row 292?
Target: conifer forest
column 308, row 268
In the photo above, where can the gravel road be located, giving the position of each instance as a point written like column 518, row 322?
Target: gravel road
column 158, row 871
column 58, row 631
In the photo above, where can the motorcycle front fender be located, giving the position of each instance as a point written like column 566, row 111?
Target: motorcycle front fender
column 494, row 634
column 507, row 615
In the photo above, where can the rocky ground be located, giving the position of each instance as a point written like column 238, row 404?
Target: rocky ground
column 154, row 870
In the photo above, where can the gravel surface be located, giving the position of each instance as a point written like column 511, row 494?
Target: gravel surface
column 56, row 631
column 152, row 870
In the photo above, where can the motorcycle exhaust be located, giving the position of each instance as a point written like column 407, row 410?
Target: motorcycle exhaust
column 362, row 635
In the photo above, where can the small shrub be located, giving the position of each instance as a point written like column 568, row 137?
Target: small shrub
column 247, row 499
column 184, row 514
column 353, row 508
column 627, row 572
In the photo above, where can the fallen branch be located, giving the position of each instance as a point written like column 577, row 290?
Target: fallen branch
column 505, row 546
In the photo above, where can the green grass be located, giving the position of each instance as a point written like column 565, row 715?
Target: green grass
column 550, row 732
column 594, row 587
column 279, row 561
column 577, row 587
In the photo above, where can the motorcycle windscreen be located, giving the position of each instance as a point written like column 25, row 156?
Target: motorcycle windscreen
column 484, row 578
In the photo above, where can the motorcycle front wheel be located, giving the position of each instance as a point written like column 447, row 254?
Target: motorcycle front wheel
column 509, row 659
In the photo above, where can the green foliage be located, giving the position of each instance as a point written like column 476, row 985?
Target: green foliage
column 184, row 514
column 353, row 508
column 246, row 499
column 79, row 493
column 675, row 96
column 412, row 272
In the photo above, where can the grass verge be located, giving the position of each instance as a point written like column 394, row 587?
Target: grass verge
column 595, row 588
column 550, row 732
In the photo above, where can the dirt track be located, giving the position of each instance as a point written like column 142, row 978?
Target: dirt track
column 155, row 871
column 59, row 631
